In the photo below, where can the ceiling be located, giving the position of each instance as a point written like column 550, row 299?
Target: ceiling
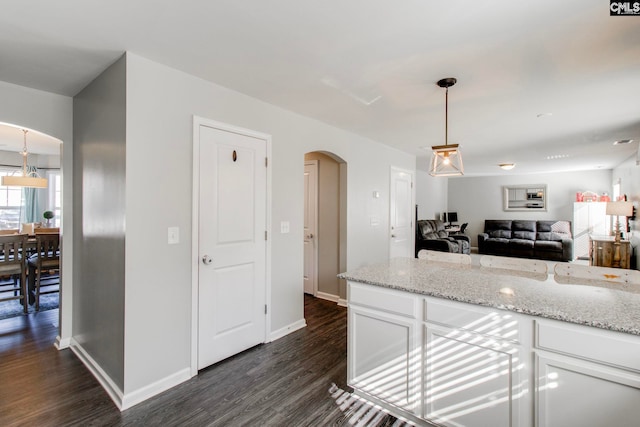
column 544, row 84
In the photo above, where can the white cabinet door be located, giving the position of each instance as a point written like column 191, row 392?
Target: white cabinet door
column 383, row 354
column 571, row 392
column 471, row 379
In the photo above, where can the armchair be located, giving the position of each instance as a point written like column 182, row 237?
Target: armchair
column 431, row 235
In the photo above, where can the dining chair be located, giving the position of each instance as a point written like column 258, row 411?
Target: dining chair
column 13, row 248
column 519, row 264
column 449, row 257
column 45, row 259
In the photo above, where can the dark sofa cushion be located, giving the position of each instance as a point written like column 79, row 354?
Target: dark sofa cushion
column 521, row 244
column 504, row 234
column 497, row 224
column 522, row 229
column 548, row 246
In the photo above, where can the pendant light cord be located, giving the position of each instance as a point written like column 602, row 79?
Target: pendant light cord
column 446, row 117
column 24, row 153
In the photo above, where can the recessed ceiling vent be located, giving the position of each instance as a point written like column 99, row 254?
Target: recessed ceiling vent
column 623, row 141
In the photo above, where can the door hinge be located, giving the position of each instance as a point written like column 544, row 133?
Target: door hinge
column 265, row 309
column 265, row 234
column 266, row 162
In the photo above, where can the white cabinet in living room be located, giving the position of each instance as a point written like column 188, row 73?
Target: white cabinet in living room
column 579, row 368
column 474, row 373
column 588, row 218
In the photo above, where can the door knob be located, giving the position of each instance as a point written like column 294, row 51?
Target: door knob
column 393, row 235
column 311, row 235
column 206, row 260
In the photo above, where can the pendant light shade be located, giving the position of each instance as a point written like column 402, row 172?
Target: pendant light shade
column 446, row 159
column 27, row 179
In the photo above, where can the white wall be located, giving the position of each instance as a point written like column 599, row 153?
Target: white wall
column 431, row 194
column 160, row 106
column 51, row 114
column 629, row 175
column 479, row 198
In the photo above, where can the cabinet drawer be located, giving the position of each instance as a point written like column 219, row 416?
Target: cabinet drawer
column 482, row 320
column 383, row 299
column 612, row 348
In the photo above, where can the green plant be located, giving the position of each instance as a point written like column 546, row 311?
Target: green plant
column 48, row 215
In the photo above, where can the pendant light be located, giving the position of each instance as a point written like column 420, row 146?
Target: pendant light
column 27, row 179
column 446, row 159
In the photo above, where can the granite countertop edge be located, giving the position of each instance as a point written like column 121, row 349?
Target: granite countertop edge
column 564, row 317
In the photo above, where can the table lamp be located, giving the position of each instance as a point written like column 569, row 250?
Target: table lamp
column 618, row 209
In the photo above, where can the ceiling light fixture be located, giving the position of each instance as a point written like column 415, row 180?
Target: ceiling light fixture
column 27, row 179
column 446, row 159
column 507, row 166
column 623, row 141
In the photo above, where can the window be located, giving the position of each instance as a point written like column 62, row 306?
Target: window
column 10, row 202
column 55, row 197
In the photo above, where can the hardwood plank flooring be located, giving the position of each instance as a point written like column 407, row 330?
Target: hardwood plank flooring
column 298, row 380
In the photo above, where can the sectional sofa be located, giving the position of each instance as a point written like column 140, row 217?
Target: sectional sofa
column 549, row 240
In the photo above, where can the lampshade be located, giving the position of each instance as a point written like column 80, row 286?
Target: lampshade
column 619, row 208
column 26, row 179
column 446, row 159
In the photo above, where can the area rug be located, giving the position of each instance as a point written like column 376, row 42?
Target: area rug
column 360, row 413
column 14, row 307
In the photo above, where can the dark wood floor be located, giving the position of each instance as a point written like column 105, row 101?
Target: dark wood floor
column 298, row 380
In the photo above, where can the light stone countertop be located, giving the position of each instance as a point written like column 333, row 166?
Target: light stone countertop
column 533, row 294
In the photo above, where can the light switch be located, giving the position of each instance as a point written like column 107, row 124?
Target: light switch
column 284, row 227
column 173, row 234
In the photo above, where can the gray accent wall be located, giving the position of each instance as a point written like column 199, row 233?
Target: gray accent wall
column 99, row 229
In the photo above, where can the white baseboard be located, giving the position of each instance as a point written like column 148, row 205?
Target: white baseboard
column 112, row 389
column 121, row 400
column 144, row 393
column 328, row 297
column 287, row 330
column 343, row 302
column 61, row 344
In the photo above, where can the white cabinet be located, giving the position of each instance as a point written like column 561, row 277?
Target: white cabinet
column 588, row 218
column 474, row 372
column 586, row 377
column 446, row 362
column 455, row 364
column 384, row 346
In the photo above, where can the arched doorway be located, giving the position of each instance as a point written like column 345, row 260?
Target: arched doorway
column 23, row 209
column 325, row 241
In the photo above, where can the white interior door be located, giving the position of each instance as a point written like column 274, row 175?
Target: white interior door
column 232, row 245
column 311, row 227
column 401, row 214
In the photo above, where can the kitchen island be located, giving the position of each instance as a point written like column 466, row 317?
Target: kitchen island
column 465, row 345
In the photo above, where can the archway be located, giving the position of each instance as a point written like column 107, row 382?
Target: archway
column 330, row 239
column 22, row 206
